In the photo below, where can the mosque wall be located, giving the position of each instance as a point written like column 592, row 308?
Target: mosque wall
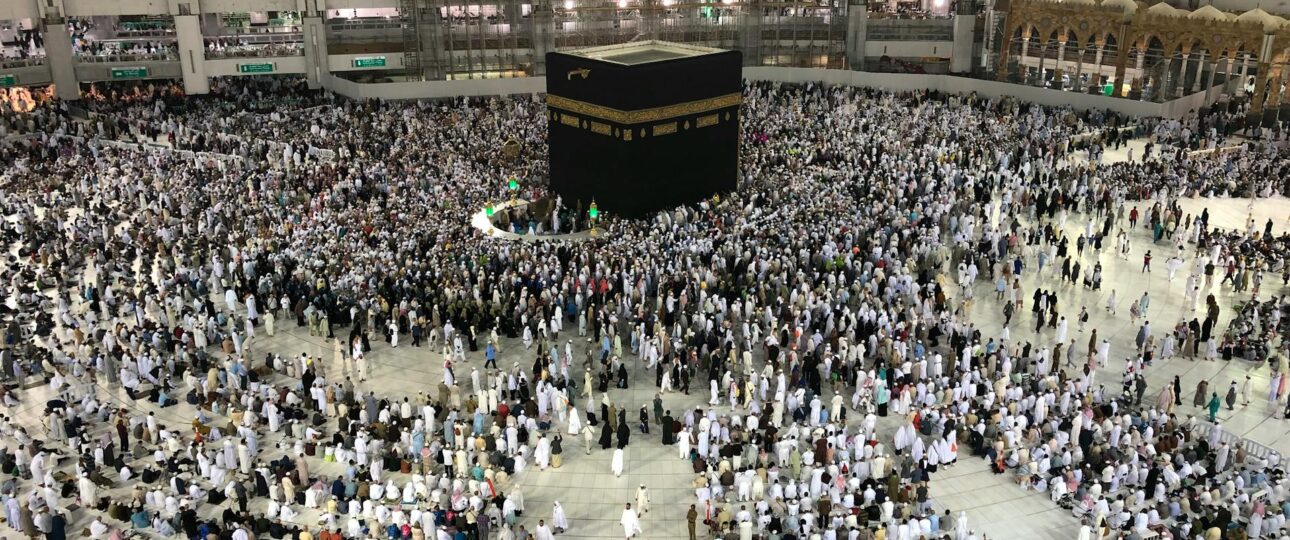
column 962, row 85
column 886, row 81
column 908, row 49
column 29, row 75
column 103, row 71
column 360, row 4
column 93, row 8
column 437, row 89
column 356, row 62
column 242, row 6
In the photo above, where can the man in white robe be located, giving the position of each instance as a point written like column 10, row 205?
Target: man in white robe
column 630, row 522
column 558, row 519
column 642, row 499
column 542, row 453
column 543, row 532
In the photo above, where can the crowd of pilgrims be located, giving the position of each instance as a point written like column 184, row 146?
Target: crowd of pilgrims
column 820, row 313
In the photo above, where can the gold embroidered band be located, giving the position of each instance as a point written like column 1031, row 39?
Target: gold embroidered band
column 641, row 116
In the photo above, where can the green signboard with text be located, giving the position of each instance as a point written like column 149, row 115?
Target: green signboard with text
column 255, row 68
column 369, row 61
column 8, row 80
column 130, row 73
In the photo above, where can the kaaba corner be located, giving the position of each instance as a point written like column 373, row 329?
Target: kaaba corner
column 643, row 126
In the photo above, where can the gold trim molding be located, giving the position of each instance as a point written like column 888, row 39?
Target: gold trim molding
column 641, row 116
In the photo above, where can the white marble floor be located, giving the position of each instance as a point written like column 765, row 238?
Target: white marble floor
column 995, row 506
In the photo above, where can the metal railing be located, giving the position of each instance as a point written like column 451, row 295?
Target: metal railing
column 910, row 30
column 164, row 56
column 10, row 63
column 1252, row 448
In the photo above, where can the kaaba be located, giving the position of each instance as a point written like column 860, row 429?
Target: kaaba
column 645, row 126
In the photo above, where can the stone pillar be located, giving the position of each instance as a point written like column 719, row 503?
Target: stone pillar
column 1021, row 58
column 1260, row 92
column 1172, row 79
column 58, row 54
column 435, row 59
column 988, row 43
column 543, row 20
column 1005, row 50
column 1209, row 84
column 857, row 32
column 1078, row 84
column 317, row 68
column 1200, row 72
column 1117, row 84
column 1273, row 92
column 1140, row 80
column 1097, row 64
column 192, row 54
column 650, row 12
column 1043, row 55
column 750, row 29
column 964, row 26
column 1228, row 63
column 1245, row 74
column 514, row 12
column 1059, row 69
column 1284, row 113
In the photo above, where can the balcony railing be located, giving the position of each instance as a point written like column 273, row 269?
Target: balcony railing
column 257, row 51
column 160, row 56
column 10, row 63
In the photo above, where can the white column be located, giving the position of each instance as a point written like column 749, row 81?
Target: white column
column 1060, row 68
column 192, row 54
column 964, row 24
column 1097, row 65
column 1043, row 55
column 1228, row 63
column 1200, row 71
column 1209, row 84
column 1140, row 82
column 62, row 67
column 857, row 32
column 1078, row 84
column 1245, row 73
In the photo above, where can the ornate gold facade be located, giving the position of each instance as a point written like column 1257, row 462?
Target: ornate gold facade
column 1124, row 35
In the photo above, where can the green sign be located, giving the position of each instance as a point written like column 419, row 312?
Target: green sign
column 255, row 68
column 1108, row 89
column 8, row 80
column 369, row 61
column 130, row 73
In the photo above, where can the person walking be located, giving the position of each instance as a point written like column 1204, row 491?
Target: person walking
column 630, row 521
column 690, row 518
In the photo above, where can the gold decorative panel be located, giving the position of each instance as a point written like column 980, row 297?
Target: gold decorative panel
column 664, row 129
